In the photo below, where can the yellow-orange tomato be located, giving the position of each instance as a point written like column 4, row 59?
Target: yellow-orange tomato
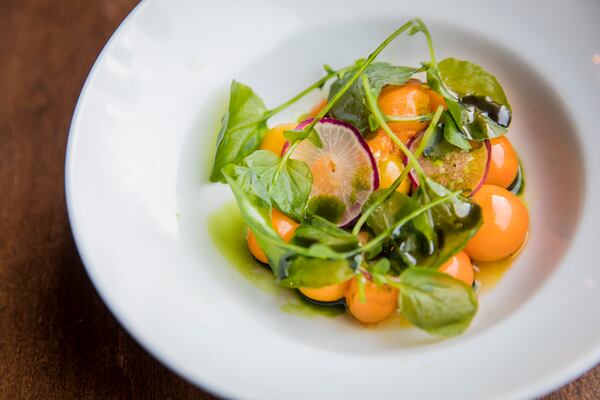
column 380, row 301
column 283, row 225
column 327, row 293
column 504, row 163
column 274, row 139
column 408, row 100
column 317, row 108
column 390, row 169
column 436, row 100
column 504, row 228
column 459, row 266
column 381, row 145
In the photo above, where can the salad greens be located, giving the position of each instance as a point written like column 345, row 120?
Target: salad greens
column 410, row 236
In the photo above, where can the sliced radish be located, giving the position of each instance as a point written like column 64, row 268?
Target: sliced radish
column 456, row 169
column 344, row 170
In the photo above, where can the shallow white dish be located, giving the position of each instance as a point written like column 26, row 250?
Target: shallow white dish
column 140, row 149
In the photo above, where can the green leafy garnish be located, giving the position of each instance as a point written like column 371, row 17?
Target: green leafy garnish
column 287, row 181
column 475, row 100
column 242, row 128
column 352, row 106
column 436, row 302
column 409, row 237
column 315, row 229
column 305, row 272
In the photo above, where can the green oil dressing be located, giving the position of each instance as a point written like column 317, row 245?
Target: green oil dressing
column 228, row 232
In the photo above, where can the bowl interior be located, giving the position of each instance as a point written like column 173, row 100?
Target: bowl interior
column 541, row 132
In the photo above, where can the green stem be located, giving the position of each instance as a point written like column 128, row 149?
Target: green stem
column 309, row 89
column 269, row 113
column 411, row 118
column 367, row 213
column 384, row 235
column 358, row 73
column 429, row 45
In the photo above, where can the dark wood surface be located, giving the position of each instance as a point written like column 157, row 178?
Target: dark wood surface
column 57, row 339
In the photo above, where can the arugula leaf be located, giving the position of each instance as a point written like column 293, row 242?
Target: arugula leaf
column 242, row 128
column 305, row 272
column 352, row 106
column 288, row 182
column 454, row 221
column 436, row 302
column 315, row 229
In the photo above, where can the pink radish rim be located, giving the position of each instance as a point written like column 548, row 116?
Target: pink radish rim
column 488, row 147
column 361, row 141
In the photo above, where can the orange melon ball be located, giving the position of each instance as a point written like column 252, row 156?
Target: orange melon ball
column 459, row 267
column 504, row 228
column 380, row 303
column 390, row 169
column 436, row 100
column 381, row 145
column 283, row 225
column 327, row 293
column 317, row 108
column 408, row 100
column 504, row 163
column 274, row 139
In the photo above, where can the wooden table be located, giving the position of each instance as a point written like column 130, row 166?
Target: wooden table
column 57, row 339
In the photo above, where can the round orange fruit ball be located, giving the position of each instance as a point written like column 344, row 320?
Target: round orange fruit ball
column 504, row 163
column 390, row 169
column 327, row 293
column 459, row 267
column 408, row 100
column 380, row 301
column 504, row 228
column 274, row 139
column 317, row 108
column 283, row 225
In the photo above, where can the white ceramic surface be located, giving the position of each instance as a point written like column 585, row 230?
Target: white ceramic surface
column 140, row 149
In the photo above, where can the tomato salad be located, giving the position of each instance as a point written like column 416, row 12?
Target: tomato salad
column 386, row 192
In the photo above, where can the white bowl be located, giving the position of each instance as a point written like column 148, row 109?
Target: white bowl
column 140, row 150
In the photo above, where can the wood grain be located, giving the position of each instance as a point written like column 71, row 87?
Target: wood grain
column 57, row 339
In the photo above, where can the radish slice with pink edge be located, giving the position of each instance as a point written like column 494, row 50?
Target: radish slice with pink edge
column 456, row 169
column 344, row 170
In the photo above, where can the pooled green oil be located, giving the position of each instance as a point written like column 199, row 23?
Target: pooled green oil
column 228, row 232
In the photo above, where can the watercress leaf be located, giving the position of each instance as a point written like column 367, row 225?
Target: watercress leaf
column 412, row 241
column 352, row 106
column 381, row 266
column 307, row 272
column 454, row 221
column 469, row 79
column 452, row 134
column 475, row 99
column 255, row 206
column 288, row 182
column 295, row 135
column 436, row 302
column 242, row 128
column 315, row 229
column 322, row 251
